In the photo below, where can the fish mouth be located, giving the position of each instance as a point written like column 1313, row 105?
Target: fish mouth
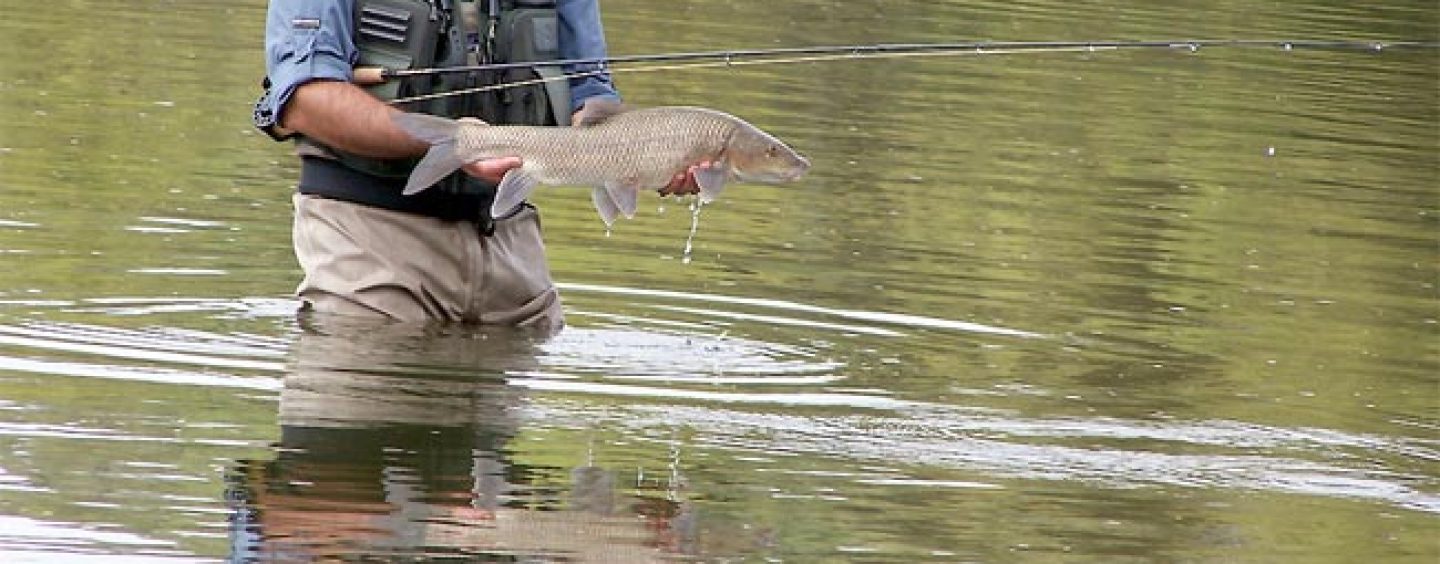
column 775, row 172
column 799, row 170
column 802, row 165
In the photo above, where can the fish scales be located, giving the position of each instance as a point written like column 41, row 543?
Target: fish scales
column 620, row 153
column 647, row 147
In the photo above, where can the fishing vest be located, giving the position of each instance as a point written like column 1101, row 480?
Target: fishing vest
column 413, row 34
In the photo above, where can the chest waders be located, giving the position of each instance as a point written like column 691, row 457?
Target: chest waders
column 408, row 34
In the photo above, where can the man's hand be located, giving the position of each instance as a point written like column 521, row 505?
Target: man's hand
column 684, row 183
column 492, row 170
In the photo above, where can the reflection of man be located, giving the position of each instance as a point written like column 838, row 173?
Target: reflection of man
column 365, row 248
column 393, row 446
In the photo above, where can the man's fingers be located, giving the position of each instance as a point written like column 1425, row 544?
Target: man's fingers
column 498, row 165
column 681, row 184
column 492, row 170
column 684, row 183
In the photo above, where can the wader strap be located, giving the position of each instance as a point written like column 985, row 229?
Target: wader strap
column 557, row 91
column 331, row 179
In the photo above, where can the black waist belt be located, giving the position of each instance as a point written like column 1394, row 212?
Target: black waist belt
column 330, row 179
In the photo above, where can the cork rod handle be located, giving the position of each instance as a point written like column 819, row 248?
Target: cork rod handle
column 367, row 76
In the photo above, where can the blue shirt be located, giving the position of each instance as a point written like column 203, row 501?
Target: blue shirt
column 309, row 40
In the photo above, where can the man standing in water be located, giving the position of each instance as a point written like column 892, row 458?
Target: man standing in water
column 366, row 249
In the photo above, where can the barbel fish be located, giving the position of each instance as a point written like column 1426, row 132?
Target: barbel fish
column 617, row 151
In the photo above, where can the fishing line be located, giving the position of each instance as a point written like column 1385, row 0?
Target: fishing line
column 739, row 63
column 893, row 48
column 814, row 54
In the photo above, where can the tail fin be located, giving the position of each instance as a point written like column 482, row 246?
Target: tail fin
column 442, row 158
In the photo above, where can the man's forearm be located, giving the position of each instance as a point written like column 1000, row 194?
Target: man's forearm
column 343, row 116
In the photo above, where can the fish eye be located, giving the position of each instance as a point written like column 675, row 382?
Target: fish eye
column 772, row 151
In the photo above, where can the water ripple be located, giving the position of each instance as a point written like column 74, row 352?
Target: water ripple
column 665, row 355
column 14, row 336
column 931, row 441
column 897, row 319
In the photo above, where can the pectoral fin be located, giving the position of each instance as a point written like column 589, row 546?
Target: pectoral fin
column 711, row 180
column 624, row 196
column 603, row 204
column 517, row 185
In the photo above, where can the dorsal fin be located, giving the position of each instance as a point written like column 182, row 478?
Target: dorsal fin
column 597, row 111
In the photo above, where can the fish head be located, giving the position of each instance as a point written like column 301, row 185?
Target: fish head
column 756, row 156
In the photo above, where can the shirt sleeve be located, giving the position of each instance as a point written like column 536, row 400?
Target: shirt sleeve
column 582, row 37
column 306, row 40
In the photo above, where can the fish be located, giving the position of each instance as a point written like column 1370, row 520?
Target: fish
column 617, row 150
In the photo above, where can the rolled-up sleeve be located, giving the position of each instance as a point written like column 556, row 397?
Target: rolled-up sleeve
column 306, row 40
column 583, row 37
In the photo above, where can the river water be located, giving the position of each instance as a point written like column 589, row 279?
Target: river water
column 1118, row 306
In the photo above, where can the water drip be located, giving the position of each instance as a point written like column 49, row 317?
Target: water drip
column 695, row 206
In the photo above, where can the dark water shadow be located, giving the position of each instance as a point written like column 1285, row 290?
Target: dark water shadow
column 395, row 444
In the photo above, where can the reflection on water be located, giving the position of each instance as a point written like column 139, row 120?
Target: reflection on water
column 386, row 452
column 1117, row 306
column 403, row 441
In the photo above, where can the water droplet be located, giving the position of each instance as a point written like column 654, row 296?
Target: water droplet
column 1269, row 151
column 695, row 206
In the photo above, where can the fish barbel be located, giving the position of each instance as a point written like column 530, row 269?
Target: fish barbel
column 619, row 152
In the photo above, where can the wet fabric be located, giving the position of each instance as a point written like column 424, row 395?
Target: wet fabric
column 361, row 260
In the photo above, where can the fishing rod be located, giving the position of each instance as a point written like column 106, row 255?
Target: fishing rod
column 371, row 75
column 377, row 74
